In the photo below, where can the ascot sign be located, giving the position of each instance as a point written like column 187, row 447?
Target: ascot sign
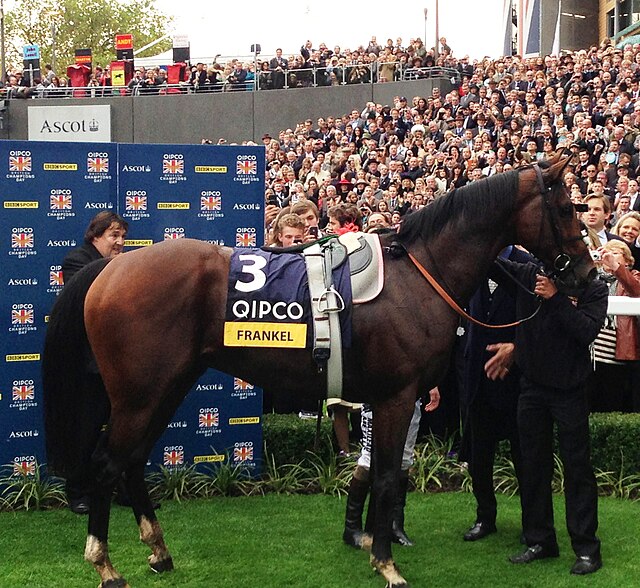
column 70, row 123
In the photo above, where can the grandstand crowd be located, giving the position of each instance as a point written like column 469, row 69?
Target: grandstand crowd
column 507, row 112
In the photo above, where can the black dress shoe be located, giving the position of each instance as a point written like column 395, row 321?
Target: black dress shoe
column 79, row 506
column 586, row 564
column 534, row 553
column 479, row 531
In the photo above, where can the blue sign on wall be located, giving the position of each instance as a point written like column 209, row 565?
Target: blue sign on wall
column 50, row 193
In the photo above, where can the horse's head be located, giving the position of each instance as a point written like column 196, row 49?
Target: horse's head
column 547, row 225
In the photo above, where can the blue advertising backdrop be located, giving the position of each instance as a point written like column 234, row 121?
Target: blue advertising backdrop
column 50, row 192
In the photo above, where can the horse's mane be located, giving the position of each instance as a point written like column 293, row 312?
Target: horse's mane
column 470, row 201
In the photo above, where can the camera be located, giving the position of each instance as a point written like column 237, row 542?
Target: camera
column 595, row 255
column 313, row 232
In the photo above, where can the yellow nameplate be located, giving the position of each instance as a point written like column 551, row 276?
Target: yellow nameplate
column 292, row 335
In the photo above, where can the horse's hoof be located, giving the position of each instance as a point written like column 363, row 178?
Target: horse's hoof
column 164, row 565
column 402, row 585
column 117, row 583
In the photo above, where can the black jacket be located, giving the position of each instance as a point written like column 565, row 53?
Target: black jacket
column 76, row 259
column 552, row 349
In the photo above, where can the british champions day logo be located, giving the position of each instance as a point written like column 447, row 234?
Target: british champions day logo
column 208, row 422
column 23, row 395
column 135, row 205
column 210, row 205
column 20, row 166
column 243, row 453
column 174, row 233
column 56, row 279
column 173, row 168
column 61, row 204
column 173, row 456
column 246, row 169
column 97, row 166
column 22, row 242
column 22, row 319
column 245, row 237
column 242, row 390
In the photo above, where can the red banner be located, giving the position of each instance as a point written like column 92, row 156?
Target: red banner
column 124, row 42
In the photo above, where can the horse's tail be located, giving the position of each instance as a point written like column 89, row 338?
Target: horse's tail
column 64, row 366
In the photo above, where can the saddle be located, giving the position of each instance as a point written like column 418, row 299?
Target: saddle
column 366, row 270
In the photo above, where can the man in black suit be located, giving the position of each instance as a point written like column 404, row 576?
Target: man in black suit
column 104, row 237
column 489, row 397
column 552, row 352
column 278, row 65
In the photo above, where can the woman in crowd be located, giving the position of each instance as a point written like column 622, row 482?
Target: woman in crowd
column 628, row 229
column 614, row 384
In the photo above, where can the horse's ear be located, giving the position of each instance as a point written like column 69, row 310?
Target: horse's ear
column 555, row 171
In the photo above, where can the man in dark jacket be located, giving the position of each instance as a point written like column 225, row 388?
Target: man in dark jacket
column 552, row 352
column 490, row 402
column 104, row 237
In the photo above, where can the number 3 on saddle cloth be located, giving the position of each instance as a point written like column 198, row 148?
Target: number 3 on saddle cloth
column 268, row 302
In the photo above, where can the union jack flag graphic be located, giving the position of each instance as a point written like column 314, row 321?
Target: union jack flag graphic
column 56, row 278
column 22, row 240
column 168, row 236
column 20, row 164
column 24, row 316
column 244, row 167
column 210, row 203
column 173, row 458
column 239, row 384
column 245, row 239
column 60, row 201
column 24, row 468
column 209, row 419
column 23, row 392
column 242, row 453
column 172, row 166
column 136, row 203
column 97, row 165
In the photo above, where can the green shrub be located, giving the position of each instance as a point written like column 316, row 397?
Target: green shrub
column 289, row 439
column 615, row 442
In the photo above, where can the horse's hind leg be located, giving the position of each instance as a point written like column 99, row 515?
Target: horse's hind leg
column 150, row 531
column 96, row 549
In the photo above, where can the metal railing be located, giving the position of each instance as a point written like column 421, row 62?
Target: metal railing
column 340, row 75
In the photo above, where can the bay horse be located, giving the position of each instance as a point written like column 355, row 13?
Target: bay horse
column 154, row 319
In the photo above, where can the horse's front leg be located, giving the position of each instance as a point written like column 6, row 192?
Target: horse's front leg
column 150, row 530
column 390, row 425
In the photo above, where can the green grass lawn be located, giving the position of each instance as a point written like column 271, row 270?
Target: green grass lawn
column 295, row 541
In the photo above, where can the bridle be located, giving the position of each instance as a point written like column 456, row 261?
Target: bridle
column 563, row 261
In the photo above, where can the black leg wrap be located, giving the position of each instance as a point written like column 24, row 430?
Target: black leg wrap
column 398, row 534
column 358, row 491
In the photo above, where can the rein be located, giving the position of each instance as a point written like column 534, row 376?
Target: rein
column 455, row 306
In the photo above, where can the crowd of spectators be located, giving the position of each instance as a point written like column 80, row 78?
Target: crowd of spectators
column 395, row 158
column 374, row 62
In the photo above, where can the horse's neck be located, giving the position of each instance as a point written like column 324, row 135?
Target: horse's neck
column 461, row 258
